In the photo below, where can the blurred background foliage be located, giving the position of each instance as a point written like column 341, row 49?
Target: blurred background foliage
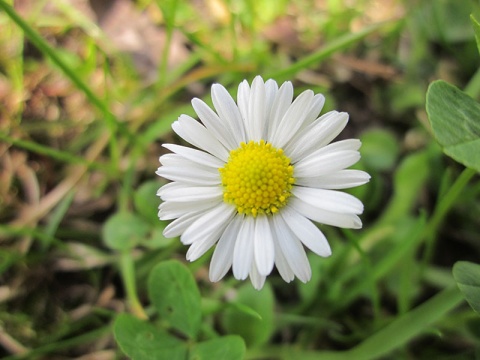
column 88, row 91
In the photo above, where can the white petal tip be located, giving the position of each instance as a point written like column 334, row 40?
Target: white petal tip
column 265, row 271
column 258, row 288
column 326, row 254
column 357, row 224
column 241, row 277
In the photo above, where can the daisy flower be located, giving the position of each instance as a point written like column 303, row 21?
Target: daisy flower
column 262, row 174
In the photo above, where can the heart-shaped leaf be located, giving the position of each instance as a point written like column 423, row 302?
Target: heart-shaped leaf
column 143, row 341
column 455, row 120
column 467, row 276
column 124, row 230
column 227, row 347
column 476, row 28
column 255, row 329
column 175, row 294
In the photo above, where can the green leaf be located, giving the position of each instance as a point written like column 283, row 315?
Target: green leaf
column 254, row 331
column 447, row 21
column 123, row 231
column 157, row 240
column 405, row 327
column 247, row 310
column 228, row 347
column 467, row 276
column 410, row 176
column 143, row 341
column 379, row 149
column 476, row 28
column 455, row 120
column 176, row 297
column 169, row 10
column 146, row 202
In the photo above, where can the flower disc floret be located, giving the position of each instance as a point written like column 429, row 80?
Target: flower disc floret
column 257, row 178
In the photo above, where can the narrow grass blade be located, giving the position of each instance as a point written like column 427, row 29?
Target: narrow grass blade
column 50, row 53
column 338, row 44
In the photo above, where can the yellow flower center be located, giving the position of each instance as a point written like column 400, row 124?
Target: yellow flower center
column 257, row 178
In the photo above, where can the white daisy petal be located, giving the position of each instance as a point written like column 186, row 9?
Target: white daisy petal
column 213, row 123
column 197, row 156
column 341, row 179
column 243, row 97
column 271, row 90
column 209, row 226
column 317, row 105
column 256, row 118
column 306, row 231
column 292, row 249
column 194, row 194
column 243, row 251
column 326, row 163
column 186, row 171
column 196, row 134
column 223, row 255
column 264, row 250
column 297, row 111
column 347, row 220
column 256, row 278
column 316, row 135
column 169, row 210
column 180, row 224
column 169, row 186
column 263, row 173
column 342, row 145
column 331, row 200
column 228, row 111
column 282, row 102
column 281, row 263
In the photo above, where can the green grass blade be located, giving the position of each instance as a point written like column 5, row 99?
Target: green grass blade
column 391, row 337
column 59, row 155
column 7, row 231
column 50, row 53
column 407, row 326
column 56, row 217
column 335, row 46
column 43, row 46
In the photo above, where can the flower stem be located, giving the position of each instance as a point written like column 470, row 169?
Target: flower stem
column 128, row 276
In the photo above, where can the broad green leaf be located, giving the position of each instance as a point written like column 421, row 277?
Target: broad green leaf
column 467, row 276
column 123, row 231
column 455, row 120
column 409, row 178
column 146, row 201
column 157, row 240
column 228, row 347
column 444, row 20
column 476, row 28
column 143, row 341
column 176, row 297
column 379, row 149
column 254, row 331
